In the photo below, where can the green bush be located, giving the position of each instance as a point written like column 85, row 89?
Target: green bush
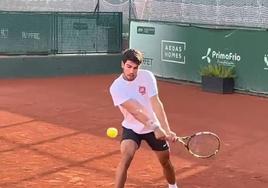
column 218, row 70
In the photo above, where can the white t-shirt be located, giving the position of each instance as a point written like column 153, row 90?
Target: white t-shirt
column 141, row 89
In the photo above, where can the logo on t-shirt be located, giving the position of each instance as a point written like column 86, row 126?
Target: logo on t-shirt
column 142, row 90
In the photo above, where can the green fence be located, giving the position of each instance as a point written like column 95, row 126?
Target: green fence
column 60, row 32
column 178, row 52
column 22, row 33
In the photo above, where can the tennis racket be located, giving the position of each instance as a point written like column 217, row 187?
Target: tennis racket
column 201, row 144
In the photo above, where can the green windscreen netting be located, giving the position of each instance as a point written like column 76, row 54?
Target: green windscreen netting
column 25, row 33
column 59, row 32
column 88, row 32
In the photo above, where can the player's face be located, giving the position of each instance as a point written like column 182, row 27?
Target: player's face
column 130, row 70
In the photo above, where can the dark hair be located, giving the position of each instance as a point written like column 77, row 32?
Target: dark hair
column 133, row 55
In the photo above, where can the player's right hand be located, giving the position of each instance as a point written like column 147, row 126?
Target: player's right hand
column 160, row 133
column 171, row 136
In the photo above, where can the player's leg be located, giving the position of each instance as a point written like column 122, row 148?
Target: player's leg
column 168, row 169
column 129, row 144
column 161, row 148
column 128, row 149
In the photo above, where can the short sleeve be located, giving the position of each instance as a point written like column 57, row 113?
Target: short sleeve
column 118, row 94
column 153, row 90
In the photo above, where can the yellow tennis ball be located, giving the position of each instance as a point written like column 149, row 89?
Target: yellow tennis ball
column 112, row 132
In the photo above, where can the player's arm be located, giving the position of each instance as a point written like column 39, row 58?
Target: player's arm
column 142, row 115
column 137, row 111
column 159, row 110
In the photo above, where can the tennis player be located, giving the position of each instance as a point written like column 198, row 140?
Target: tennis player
column 135, row 92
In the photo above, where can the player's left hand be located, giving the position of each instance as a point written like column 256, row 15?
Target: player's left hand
column 171, row 136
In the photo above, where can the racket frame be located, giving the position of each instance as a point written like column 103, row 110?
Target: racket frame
column 185, row 140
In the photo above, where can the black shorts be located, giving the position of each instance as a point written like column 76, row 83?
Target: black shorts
column 155, row 144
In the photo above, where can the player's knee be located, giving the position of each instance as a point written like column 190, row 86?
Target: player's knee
column 128, row 155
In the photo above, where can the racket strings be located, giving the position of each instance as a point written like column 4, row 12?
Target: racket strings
column 203, row 145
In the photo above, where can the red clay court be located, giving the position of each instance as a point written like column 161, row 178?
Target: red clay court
column 52, row 134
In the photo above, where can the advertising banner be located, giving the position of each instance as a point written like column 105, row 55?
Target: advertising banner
column 178, row 52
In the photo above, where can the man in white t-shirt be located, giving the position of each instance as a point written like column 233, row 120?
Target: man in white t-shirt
column 135, row 92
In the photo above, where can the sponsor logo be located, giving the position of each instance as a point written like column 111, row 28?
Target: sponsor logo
column 148, row 62
column 227, row 58
column 30, row 35
column 266, row 61
column 3, row 33
column 173, row 51
column 146, row 30
column 142, row 90
column 80, row 26
column 207, row 55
